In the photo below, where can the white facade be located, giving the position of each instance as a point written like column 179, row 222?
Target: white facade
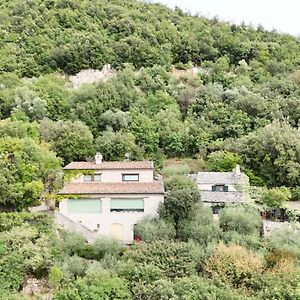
column 128, row 184
column 104, row 222
column 116, row 175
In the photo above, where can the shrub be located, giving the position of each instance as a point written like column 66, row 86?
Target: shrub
column 285, row 239
column 73, row 267
column 201, row 228
column 13, row 296
column 223, row 161
column 150, row 230
column 186, row 288
column 176, row 170
column 22, row 252
column 295, row 194
column 55, row 276
column 96, row 269
column 276, row 256
column 159, row 290
column 250, row 241
column 109, row 262
column 194, row 287
column 71, row 243
column 241, row 225
column 103, row 246
column 105, row 287
column 136, row 273
column 242, row 219
column 275, row 197
column 42, row 221
column 234, row 265
column 175, row 259
column 281, row 282
column 179, row 182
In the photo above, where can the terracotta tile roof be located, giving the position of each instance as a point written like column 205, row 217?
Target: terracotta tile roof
column 109, row 165
column 155, row 187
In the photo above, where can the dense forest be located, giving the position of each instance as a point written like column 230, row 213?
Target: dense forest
column 207, row 93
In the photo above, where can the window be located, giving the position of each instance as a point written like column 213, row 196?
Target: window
column 130, row 177
column 220, row 188
column 88, row 178
column 126, row 204
column 93, row 177
column 97, row 177
column 84, row 206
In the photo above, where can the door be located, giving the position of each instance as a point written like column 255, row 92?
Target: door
column 116, row 230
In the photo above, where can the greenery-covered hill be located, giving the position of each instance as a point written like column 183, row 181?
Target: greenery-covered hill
column 184, row 87
column 39, row 37
column 241, row 106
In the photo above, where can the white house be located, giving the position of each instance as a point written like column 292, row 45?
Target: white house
column 222, row 187
column 111, row 197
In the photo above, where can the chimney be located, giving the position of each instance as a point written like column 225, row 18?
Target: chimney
column 98, row 158
column 127, row 157
column 237, row 170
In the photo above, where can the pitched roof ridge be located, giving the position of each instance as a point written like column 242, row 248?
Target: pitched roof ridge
column 77, row 165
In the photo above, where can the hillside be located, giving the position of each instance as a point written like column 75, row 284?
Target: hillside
column 39, row 37
column 182, row 89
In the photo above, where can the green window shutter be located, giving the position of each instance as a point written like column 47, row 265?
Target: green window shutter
column 84, row 206
column 214, row 188
column 126, row 204
column 225, row 188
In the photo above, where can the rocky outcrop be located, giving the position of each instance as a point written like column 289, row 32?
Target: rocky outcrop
column 91, row 76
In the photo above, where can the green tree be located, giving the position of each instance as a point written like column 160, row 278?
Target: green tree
column 52, row 89
column 179, row 205
column 29, row 102
column 223, row 161
column 172, row 133
column 178, row 182
column 145, row 131
column 70, row 140
column 272, row 153
column 27, row 168
column 116, row 120
column 201, row 227
column 19, row 129
column 114, row 145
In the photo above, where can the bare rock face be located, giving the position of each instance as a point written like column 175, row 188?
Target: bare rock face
column 33, row 286
column 91, row 76
column 192, row 71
